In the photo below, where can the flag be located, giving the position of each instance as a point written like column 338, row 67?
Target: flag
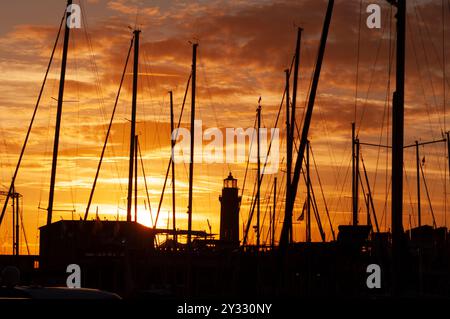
column 302, row 215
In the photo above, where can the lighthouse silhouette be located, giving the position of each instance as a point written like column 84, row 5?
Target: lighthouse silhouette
column 229, row 212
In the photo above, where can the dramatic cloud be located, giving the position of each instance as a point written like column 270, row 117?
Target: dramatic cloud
column 244, row 48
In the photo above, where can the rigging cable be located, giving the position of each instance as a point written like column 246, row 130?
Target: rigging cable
column 145, row 182
column 107, row 134
column 357, row 59
column 171, row 159
column 98, row 87
column 23, row 227
column 428, row 195
column 409, row 195
column 31, row 123
column 427, row 64
column 265, row 162
column 323, row 194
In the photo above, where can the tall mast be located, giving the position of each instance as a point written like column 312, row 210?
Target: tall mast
column 397, row 146
column 14, row 221
column 289, row 145
column 419, row 213
column 17, row 232
column 308, row 115
column 172, row 127
column 290, row 125
column 58, row 117
column 294, row 88
column 354, row 180
column 272, row 242
column 258, row 177
column 133, row 123
column 308, row 203
column 293, row 121
column 448, row 151
column 369, row 220
column 135, row 177
column 191, row 163
column 448, row 170
column 355, row 175
column 13, row 206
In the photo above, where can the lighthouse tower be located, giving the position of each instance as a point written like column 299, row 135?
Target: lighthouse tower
column 229, row 211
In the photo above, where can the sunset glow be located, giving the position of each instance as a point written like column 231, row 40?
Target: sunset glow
column 244, row 48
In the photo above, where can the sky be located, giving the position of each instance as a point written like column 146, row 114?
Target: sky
column 244, row 48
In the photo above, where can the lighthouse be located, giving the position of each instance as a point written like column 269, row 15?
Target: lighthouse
column 229, row 212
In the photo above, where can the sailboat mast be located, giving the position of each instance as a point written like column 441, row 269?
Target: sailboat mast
column 294, row 88
column 284, row 237
column 272, row 241
column 355, row 174
column 135, row 177
column 191, row 163
column 133, row 123
column 13, row 205
column 308, row 199
column 419, row 213
column 258, row 178
column 290, row 126
column 172, row 128
column 354, row 181
column 289, row 143
column 397, row 146
column 17, row 232
column 448, row 151
column 58, row 117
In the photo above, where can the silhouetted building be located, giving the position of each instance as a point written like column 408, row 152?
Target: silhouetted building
column 229, row 211
column 71, row 240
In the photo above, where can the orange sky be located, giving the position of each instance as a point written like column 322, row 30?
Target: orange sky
column 244, row 46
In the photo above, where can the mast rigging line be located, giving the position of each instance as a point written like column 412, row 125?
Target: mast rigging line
column 59, row 111
column 307, row 120
column 428, row 196
column 366, row 177
column 98, row 87
column 145, row 181
column 280, row 194
column 108, row 132
column 413, row 213
column 32, row 121
column 314, row 201
column 419, row 71
column 323, row 194
column 375, row 62
column 171, row 159
column 406, row 146
column 371, row 81
column 246, row 170
column 23, row 228
column 357, row 59
column 253, row 204
column 312, row 197
column 420, row 19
